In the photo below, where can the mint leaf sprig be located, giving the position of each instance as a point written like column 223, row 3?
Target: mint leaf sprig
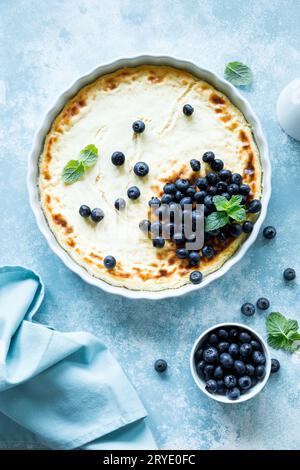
column 282, row 332
column 75, row 169
column 238, row 73
column 225, row 209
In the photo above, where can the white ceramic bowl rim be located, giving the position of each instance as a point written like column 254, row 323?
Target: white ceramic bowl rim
column 38, row 142
column 222, row 398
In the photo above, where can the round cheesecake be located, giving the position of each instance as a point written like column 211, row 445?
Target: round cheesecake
column 102, row 114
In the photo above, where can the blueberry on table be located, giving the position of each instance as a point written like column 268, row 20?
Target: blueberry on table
column 138, row 127
column 118, row 158
column 154, row 201
column 188, row 109
column 235, row 230
column 195, row 164
column 210, row 355
column 202, row 183
column 258, row 358
column 269, row 232
column 234, row 350
column 275, row 365
column 244, row 189
column 160, row 365
column 194, row 258
column 97, row 215
column 223, row 334
column 233, row 394
column 211, row 386
column 141, row 169
column 208, row 157
column 133, row 192
column 260, row 372
column 158, row 242
column 247, row 226
column 223, row 346
column 225, row 175
column 169, row 188
column 213, row 339
column 182, row 253
column 244, row 337
column 245, row 350
column 84, row 211
column 208, row 251
column 230, row 381
column 263, row 303
column 248, row 309
column 109, row 262
column 218, row 373
column 226, row 360
column 217, row 165
column 208, row 371
column 196, row 277
column 250, row 370
column 239, row 367
column 120, row 203
column 245, row 382
column 254, row 206
column 289, row 274
column 182, row 184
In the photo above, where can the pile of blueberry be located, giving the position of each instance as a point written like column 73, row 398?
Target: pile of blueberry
column 230, row 361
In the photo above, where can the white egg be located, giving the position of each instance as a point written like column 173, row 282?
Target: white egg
column 288, row 109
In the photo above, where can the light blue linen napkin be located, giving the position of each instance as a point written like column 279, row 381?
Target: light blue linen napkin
column 64, row 389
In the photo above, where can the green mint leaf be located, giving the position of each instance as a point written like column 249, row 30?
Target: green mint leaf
column 73, row 171
column 89, row 155
column 234, row 201
column 215, row 220
column 282, row 332
column 238, row 74
column 237, row 213
column 221, row 203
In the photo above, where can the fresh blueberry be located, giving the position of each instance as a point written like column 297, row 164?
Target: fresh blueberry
column 245, row 350
column 84, row 211
column 169, row 188
column 248, row 309
column 200, row 368
column 254, row 206
column 196, row 277
column 167, row 198
column 178, row 196
column 245, row 382
column 97, row 215
column 253, row 380
column 195, row 164
column 212, row 178
column 250, row 370
column 138, row 127
column 141, row 169
column 120, row 203
column 255, row 345
column 223, row 346
column 221, row 187
column 145, row 225
column 208, row 202
column 233, row 333
column 182, row 184
column 210, row 355
column 213, row 340
column 248, row 226
column 239, row 367
column 208, row 371
column 212, row 190
column 226, row 360
column 244, row 337
column 236, row 178
column 217, row 165
column 234, row 350
column 233, row 189
column 199, row 196
column 218, row 373
column 289, row 274
column 188, row 109
column 260, row 372
column 269, row 232
column 235, row 230
column 133, row 192
column 223, row 334
column 198, row 355
column 191, row 191
column 221, row 387
column 208, row 157
column 233, row 394
column 275, row 365
column 186, row 201
column 182, row 253
column 226, row 195
column 263, row 303
column 258, row 358
column 201, row 183
column 194, row 258
column 154, row 201
column 118, row 158
column 158, row 242
column 211, row 386
column 224, row 175
column 244, row 189
column 230, row 381
column 109, row 262
column 160, row 365
column 208, row 251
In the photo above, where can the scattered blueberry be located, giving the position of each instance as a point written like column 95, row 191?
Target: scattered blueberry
column 247, row 226
column 230, row 381
column 109, row 262
column 245, row 382
column 263, row 303
column 269, row 232
column 194, row 258
column 254, row 206
column 133, row 192
column 210, row 355
column 211, row 386
column 196, row 277
column 208, row 157
column 217, row 165
column 275, row 365
column 233, row 394
column 158, row 242
column 138, row 127
column 289, row 274
column 160, row 365
column 120, row 203
column 248, row 309
column 84, row 211
column 195, row 164
column 141, row 169
column 188, row 109
column 239, row 367
column 226, row 360
column 97, row 215
column 182, row 253
column 208, row 251
column 118, row 158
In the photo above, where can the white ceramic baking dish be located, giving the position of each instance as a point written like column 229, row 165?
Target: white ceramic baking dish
column 39, row 138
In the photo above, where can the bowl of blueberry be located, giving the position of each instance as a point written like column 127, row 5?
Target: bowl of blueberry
column 230, row 362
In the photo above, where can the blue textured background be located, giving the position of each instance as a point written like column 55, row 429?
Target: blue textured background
column 43, row 47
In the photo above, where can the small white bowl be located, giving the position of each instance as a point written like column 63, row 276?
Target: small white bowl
column 250, row 393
